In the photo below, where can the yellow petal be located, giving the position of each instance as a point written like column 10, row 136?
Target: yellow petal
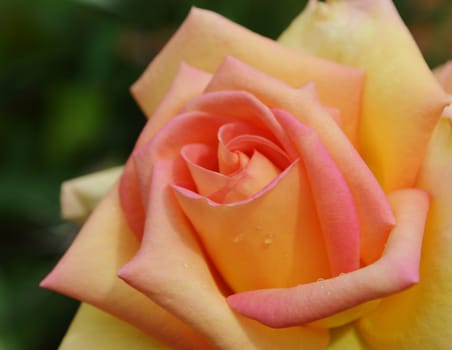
column 81, row 195
column 186, row 83
column 88, row 272
column 205, row 39
column 402, row 101
column 346, row 338
column 93, row 329
column 420, row 318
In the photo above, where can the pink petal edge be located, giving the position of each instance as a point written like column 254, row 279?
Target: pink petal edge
column 187, row 83
column 333, row 200
column 395, row 271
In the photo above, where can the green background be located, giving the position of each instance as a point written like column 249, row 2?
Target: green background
column 65, row 110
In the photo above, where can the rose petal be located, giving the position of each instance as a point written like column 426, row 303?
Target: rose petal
column 171, row 269
column 257, row 174
column 444, row 76
column 395, row 271
column 188, row 82
column 168, row 144
column 420, row 318
column 345, row 317
column 206, row 180
column 81, row 195
column 247, row 138
column 268, row 250
column 245, row 108
column 88, row 272
column 165, row 144
column 333, row 199
column 94, row 329
column 134, row 182
column 338, row 85
column 346, row 338
column 376, row 218
column 401, row 103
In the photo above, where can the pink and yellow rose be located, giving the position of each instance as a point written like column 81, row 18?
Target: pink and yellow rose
column 281, row 196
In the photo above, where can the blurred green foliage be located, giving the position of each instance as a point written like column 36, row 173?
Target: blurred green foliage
column 65, row 110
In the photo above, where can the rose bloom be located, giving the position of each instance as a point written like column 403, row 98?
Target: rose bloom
column 290, row 195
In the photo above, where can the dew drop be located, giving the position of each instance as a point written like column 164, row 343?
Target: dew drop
column 268, row 239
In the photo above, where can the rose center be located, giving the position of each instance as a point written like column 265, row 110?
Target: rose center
column 244, row 161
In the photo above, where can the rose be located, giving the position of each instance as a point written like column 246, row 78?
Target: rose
column 175, row 288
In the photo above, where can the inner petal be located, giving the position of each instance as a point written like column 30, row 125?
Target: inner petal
column 257, row 174
column 202, row 163
column 238, row 141
column 230, row 162
column 277, row 234
column 246, row 108
column 250, row 143
column 252, row 177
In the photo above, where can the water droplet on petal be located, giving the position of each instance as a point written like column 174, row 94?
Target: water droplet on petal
column 268, row 239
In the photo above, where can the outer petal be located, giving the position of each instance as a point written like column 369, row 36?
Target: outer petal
column 444, row 76
column 81, row 195
column 376, row 218
column 93, row 329
column 134, row 185
column 170, row 268
column 397, row 270
column 338, row 85
column 188, row 83
column 88, row 272
column 402, row 101
column 421, row 317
